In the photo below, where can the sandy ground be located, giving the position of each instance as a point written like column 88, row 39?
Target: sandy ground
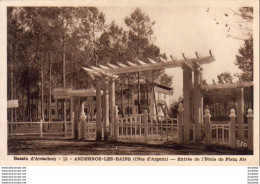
column 70, row 147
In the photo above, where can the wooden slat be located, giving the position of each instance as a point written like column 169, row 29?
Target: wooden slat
column 96, row 68
column 227, row 86
column 112, row 66
column 93, row 72
column 130, row 63
column 122, row 65
column 141, row 62
column 104, row 67
column 163, row 60
column 152, row 61
column 159, row 66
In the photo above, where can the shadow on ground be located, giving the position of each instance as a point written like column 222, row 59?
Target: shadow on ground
column 71, row 147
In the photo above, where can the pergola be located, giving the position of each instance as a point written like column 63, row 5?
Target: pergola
column 192, row 99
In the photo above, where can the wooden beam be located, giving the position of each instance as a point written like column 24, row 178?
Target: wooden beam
column 163, row 60
column 141, row 62
column 99, row 72
column 227, row 86
column 159, row 66
column 130, row 63
column 112, row 66
column 122, row 65
column 93, row 72
column 104, row 67
column 96, row 68
column 152, row 61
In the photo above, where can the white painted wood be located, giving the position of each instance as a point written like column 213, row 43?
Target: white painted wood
column 130, row 63
column 104, row 67
column 122, row 65
column 151, row 61
column 112, row 66
column 141, row 62
column 226, row 86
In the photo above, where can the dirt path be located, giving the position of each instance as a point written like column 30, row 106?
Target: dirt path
column 70, row 147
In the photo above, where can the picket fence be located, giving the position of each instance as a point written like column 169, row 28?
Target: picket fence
column 141, row 128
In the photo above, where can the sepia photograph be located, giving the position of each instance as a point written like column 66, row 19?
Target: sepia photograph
column 130, row 80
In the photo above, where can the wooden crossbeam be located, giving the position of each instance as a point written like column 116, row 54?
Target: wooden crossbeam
column 227, row 86
column 163, row 60
column 92, row 72
column 99, row 72
column 96, row 68
column 112, row 66
column 152, row 61
column 159, row 66
column 141, row 62
column 121, row 64
column 130, row 63
column 104, row 67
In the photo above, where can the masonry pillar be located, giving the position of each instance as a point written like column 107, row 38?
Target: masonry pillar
column 106, row 109
column 197, row 105
column 240, row 113
column 187, row 89
column 112, row 105
column 201, row 119
column 99, row 110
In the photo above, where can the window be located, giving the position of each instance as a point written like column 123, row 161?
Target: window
column 53, row 112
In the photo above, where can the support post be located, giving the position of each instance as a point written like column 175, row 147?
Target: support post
column 232, row 135
column 99, row 111
column 240, row 113
column 106, row 109
column 41, row 129
column 145, row 125
column 207, row 127
column 180, row 123
column 112, row 106
column 197, row 105
column 250, row 130
column 73, row 125
column 76, row 115
column 115, row 123
column 201, row 119
column 82, row 123
column 187, row 89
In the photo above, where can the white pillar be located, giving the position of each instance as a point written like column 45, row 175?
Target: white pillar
column 106, row 109
column 99, row 110
column 240, row 113
column 187, row 90
column 112, row 106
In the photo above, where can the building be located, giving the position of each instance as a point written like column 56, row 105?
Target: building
column 155, row 99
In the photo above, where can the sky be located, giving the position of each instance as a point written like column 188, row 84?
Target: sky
column 188, row 30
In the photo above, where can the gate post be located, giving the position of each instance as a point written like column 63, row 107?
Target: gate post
column 99, row 111
column 232, row 131
column 82, row 123
column 180, row 123
column 73, row 125
column 197, row 104
column 250, row 129
column 106, row 109
column 115, row 123
column 207, row 127
column 145, row 125
column 41, row 128
column 240, row 113
column 187, row 102
column 111, row 107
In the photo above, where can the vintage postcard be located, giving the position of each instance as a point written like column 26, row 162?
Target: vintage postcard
column 129, row 83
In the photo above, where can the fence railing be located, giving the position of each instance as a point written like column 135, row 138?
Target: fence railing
column 61, row 129
column 226, row 133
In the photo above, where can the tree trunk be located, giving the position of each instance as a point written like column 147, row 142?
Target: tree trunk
column 50, row 110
